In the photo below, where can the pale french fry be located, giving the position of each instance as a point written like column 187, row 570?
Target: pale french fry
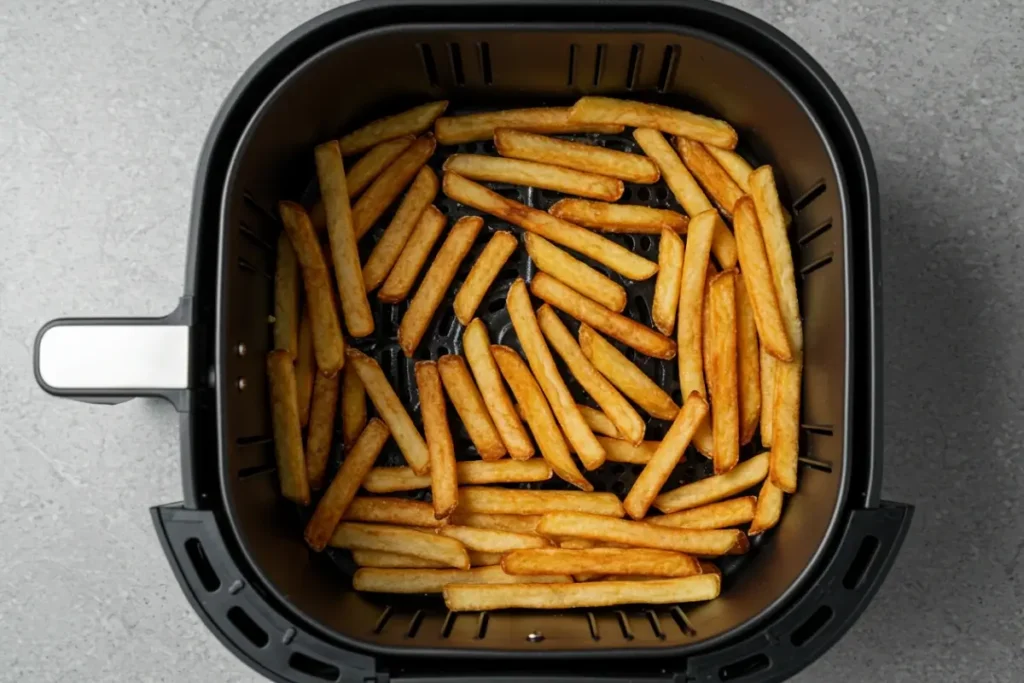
column 391, row 410
column 436, row 282
column 477, row 348
column 464, row 395
column 572, row 272
column 598, row 421
column 625, row 375
column 388, row 185
column 631, row 333
column 768, row 371
column 373, row 163
column 353, row 406
column 397, row 539
column 768, row 510
column 712, row 489
column 454, row 130
column 388, row 250
column 537, row 413
column 605, row 110
column 321, row 427
column 666, row 287
column 480, row 559
column 720, row 515
column 619, row 450
column 530, row 502
column 397, row 511
column 520, row 524
column 392, row 479
column 735, row 165
column 284, row 410
column 386, row 560
column 444, row 485
column 601, row 249
column 577, row 155
column 666, row 457
column 691, row 302
column 409, row 122
column 323, row 316
column 758, row 278
column 747, row 352
column 305, row 368
column 707, row 171
column 633, row 561
column 355, row 307
column 725, row 417
column 786, row 425
column 542, row 363
column 492, row 540
column 533, row 174
column 616, row 218
column 491, row 260
column 703, row 542
column 414, row 255
column 434, row 580
column 286, row 298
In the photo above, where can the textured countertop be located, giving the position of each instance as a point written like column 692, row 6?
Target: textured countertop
column 105, row 106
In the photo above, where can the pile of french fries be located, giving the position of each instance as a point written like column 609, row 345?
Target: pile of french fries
column 728, row 294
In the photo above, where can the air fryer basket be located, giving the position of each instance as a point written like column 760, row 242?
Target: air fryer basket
column 236, row 545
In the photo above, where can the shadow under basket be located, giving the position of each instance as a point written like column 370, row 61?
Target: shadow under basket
column 236, row 546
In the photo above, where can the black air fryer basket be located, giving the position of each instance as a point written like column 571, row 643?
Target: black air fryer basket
column 236, row 546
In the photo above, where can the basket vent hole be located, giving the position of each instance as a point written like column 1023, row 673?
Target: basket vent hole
column 254, row 237
column 861, row 562
column 636, row 53
column 484, row 51
column 818, row 231
column 627, row 630
column 807, row 197
column 496, row 305
column 429, row 65
column 573, row 49
column 824, row 430
column 809, row 628
column 595, row 634
column 458, row 72
column 204, row 570
column 661, row 193
column 414, row 624
column 645, row 243
column 313, row 667
column 383, row 619
column 669, row 62
column 253, row 440
column 643, row 194
column 599, row 63
column 745, row 667
column 256, row 470
column 679, row 616
column 815, row 265
column 442, row 351
column 448, row 625
column 249, row 628
column 481, row 626
column 652, row 617
column 251, row 201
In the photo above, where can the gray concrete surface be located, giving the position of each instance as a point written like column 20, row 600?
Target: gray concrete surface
column 104, row 108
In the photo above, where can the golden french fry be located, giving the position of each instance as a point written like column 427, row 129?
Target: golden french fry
column 625, row 218
column 768, row 371
column 397, row 511
column 410, row 122
column 481, row 559
column 542, row 363
column 597, row 420
column 666, row 457
column 605, row 110
column 444, row 484
column 321, row 427
column 492, row 540
column 469, row 404
column 709, row 567
column 691, row 302
column 392, row 479
column 725, row 416
column 706, row 338
column 768, row 510
column 477, row 348
column 305, row 368
column 323, row 316
column 577, row 155
column 747, row 352
column 530, row 502
column 601, row 249
column 703, row 542
column 625, row 375
column 572, row 272
column 758, row 278
column 520, row 524
column 397, row 539
column 666, row 287
column 413, row 256
column 628, row 331
column 388, row 185
column 388, row 250
column 436, row 282
column 491, row 260
column 454, row 130
column 737, row 480
column 533, row 174
column 786, row 425
column 353, row 406
column 391, row 410
column 286, row 298
column 720, row 515
column 632, row 561
column 386, row 560
column 434, row 580
column 619, row 450
column 284, row 410
column 735, row 165
column 711, row 176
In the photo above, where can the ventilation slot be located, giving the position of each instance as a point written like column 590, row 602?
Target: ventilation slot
column 859, row 566
column 816, row 191
column 595, row 634
column 819, row 465
column 245, row 265
column 455, row 54
column 253, row 440
column 809, row 628
column 627, row 630
column 313, row 667
column 669, row 62
column 599, row 63
column 255, row 471
column 253, row 237
column 383, row 619
column 248, row 199
column 745, row 667
column 484, row 52
column 815, row 265
column 679, row 616
column 481, row 626
column 204, row 570
column 414, row 624
column 249, row 628
column 429, row 66
column 824, row 430
column 448, row 625
column 652, row 617
column 815, row 232
column 636, row 53
column 572, row 64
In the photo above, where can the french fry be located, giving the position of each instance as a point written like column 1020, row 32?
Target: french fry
column 392, row 479
column 709, row 567
column 520, row 311
column 735, row 165
column 711, row 176
column 454, row 130
column 481, row 559
column 397, row 511
column 571, row 271
column 706, row 338
column 619, row 450
column 786, row 425
column 321, row 427
column 355, row 307
column 469, row 598
column 388, row 250
column 691, row 302
column 397, row 539
column 353, row 406
column 305, row 368
column 444, row 483
column 631, row 380
column 634, row 561
column 491, row 260
column 391, row 410
column 323, row 316
column 284, row 410
column 477, row 348
column 768, row 371
column 720, row 515
column 388, row 185
column 533, row 174
column 410, row 122
column 627, row 421
column 530, row 502
column 615, row 218
column 436, row 282
column 414, row 255
column 492, row 540
column 601, row 249
column 598, row 421
column 666, row 287
column 464, row 395
column 628, row 331
column 747, row 352
column 725, row 416
column 520, row 524
column 768, row 510
column 605, row 110
column 703, row 542
column 537, row 413
column 339, row 495
column 286, row 298
column 670, row 452
column 386, row 560
column 719, row 487
column 434, row 580
column 758, row 278
column 577, row 155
